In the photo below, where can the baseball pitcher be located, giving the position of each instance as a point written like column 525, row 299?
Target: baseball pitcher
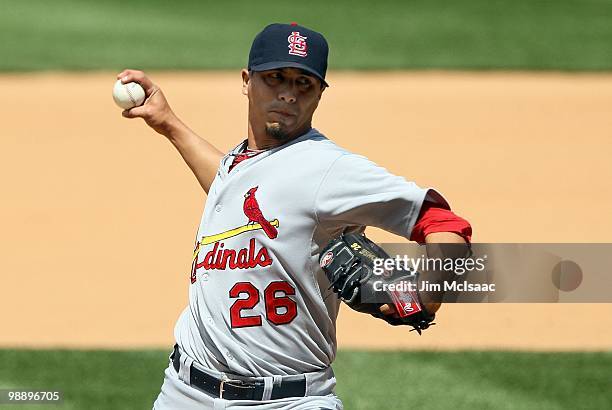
column 279, row 244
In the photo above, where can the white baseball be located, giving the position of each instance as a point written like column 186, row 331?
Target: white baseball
column 128, row 95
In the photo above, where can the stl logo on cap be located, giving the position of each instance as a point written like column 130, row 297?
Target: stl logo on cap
column 297, row 44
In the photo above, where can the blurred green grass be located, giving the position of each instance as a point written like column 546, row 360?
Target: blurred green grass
column 366, row 379
column 386, row 34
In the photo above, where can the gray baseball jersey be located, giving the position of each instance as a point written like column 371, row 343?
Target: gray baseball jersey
column 259, row 305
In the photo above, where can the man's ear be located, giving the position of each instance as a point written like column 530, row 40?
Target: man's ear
column 245, row 81
column 321, row 91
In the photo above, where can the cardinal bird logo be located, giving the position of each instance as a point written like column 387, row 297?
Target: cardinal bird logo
column 221, row 257
column 253, row 212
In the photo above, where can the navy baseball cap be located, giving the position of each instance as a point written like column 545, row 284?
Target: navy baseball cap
column 289, row 45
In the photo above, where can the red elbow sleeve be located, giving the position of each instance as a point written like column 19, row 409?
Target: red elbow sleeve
column 435, row 219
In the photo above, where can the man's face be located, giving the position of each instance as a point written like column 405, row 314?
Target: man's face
column 281, row 101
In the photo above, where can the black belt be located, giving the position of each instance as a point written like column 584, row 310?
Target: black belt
column 237, row 389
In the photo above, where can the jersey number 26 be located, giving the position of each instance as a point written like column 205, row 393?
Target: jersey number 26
column 280, row 309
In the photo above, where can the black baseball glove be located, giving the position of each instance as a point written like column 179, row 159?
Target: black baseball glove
column 349, row 263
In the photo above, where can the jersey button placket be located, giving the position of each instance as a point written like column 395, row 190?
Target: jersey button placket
column 218, row 208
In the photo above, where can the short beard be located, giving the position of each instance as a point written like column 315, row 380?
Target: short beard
column 274, row 130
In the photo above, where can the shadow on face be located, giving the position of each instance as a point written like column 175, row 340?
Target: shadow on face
column 282, row 101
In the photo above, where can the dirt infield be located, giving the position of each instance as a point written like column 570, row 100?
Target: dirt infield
column 98, row 213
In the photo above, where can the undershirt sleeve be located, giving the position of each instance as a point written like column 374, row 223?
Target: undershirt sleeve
column 433, row 218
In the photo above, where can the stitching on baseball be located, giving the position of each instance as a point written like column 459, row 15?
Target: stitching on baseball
column 127, row 88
